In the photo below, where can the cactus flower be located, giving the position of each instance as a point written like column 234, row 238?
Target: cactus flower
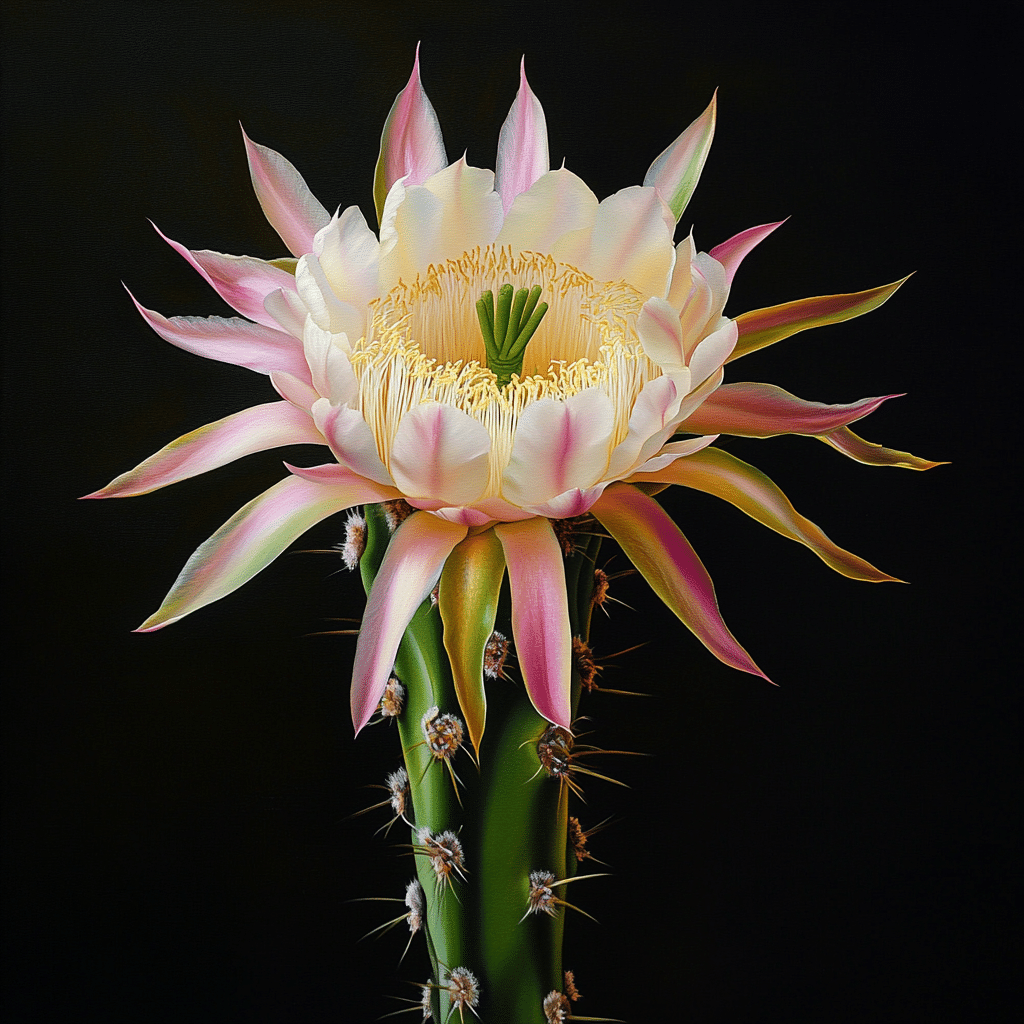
column 505, row 352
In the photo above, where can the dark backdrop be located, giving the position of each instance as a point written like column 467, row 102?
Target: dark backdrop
column 837, row 848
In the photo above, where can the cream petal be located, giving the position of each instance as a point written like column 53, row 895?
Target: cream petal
column 660, row 334
column 632, row 241
column 558, row 203
column 559, row 445
column 349, row 255
column 328, row 311
column 327, row 355
column 682, row 278
column 653, row 411
column 712, row 352
column 442, row 453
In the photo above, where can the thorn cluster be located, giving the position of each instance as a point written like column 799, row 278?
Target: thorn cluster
column 556, row 1007
column 495, row 652
column 443, row 734
column 542, row 896
column 584, row 663
column 396, row 511
column 414, row 901
column 570, row 986
column 393, row 699
column 445, row 853
column 354, row 544
column 463, row 990
column 568, row 531
column 398, row 785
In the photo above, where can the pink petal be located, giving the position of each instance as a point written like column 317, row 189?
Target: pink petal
column 764, row 410
column 522, row 144
column 442, row 453
column 233, row 340
column 411, row 567
column 717, row 472
column 241, row 281
column 676, row 171
column 293, row 211
column 846, row 441
column 250, row 540
column 411, row 145
column 540, row 615
column 253, row 430
column 334, row 473
column 655, row 545
column 732, row 252
column 300, row 393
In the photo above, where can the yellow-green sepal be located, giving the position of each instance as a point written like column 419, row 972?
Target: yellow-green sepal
column 763, row 327
column 468, row 601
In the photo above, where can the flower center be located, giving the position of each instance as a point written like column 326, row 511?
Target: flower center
column 425, row 345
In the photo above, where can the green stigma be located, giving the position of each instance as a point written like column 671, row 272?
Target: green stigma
column 507, row 328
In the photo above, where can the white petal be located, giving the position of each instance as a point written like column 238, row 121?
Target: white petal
column 660, row 334
column 712, row 352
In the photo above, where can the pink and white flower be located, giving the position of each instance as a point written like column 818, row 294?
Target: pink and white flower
column 373, row 345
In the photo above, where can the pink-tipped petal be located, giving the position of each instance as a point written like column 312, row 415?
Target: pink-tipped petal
column 764, row 410
column 243, row 282
column 661, row 334
column 253, row 430
column 763, row 327
column 540, row 615
column 657, row 547
column 230, row 340
column 351, row 440
column 559, row 445
column 733, row 251
column 411, row 567
column 250, row 540
column 846, row 441
column 522, row 144
column 300, row 393
column 411, row 145
column 293, row 211
column 442, row 453
column 335, row 474
column 717, row 472
column 676, row 171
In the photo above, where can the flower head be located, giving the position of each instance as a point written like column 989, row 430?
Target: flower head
column 394, row 351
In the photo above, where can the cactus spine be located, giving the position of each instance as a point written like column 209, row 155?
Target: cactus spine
column 510, row 819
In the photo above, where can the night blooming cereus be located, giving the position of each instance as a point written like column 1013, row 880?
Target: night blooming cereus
column 507, row 354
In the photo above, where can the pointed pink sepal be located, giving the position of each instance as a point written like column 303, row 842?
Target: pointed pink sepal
column 540, row 615
column 293, row 211
column 854, row 447
column 243, row 282
column 258, row 429
column 231, row 340
column 411, row 145
column 522, row 144
column 411, row 567
column 658, row 549
column 250, row 540
column 763, row 327
column 763, row 410
column 733, row 251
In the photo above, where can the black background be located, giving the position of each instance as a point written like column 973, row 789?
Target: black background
column 838, row 848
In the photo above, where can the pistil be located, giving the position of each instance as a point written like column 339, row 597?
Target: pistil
column 507, row 327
